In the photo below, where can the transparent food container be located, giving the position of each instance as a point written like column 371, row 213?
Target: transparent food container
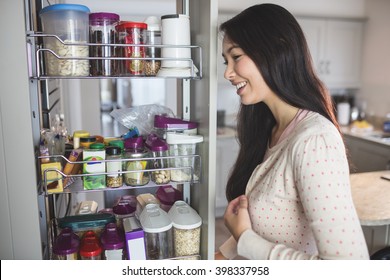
column 160, row 150
column 71, row 24
column 113, row 242
column 186, row 229
column 90, row 247
column 184, row 148
column 158, row 232
column 167, row 195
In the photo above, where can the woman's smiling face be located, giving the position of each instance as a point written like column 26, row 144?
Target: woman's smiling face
column 243, row 73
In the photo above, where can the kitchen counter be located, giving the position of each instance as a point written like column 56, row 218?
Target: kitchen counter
column 368, row 135
column 371, row 196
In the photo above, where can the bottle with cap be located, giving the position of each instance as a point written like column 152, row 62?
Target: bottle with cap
column 113, row 242
column 114, row 167
column 135, row 164
column 76, row 137
column 160, row 151
column 153, row 37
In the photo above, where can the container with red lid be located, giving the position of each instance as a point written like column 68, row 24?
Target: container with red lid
column 113, row 242
column 90, row 247
column 132, row 33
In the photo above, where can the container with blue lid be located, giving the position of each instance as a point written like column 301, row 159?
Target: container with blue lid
column 70, row 23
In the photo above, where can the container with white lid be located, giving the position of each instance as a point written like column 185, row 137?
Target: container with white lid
column 186, row 229
column 184, row 148
column 158, row 232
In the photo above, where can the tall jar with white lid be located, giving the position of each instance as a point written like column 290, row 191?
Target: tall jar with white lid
column 158, row 232
column 186, row 229
column 71, row 24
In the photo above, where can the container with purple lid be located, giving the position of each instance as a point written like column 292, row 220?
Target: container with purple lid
column 136, row 161
column 124, row 207
column 160, row 151
column 164, row 124
column 66, row 245
column 102, row 31
column 113, row 242
column 167, row 195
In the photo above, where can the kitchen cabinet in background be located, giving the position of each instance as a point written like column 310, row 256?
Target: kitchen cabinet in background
column 335, row 46
column 367, row 155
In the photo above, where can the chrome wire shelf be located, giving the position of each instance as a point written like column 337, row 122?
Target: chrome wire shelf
column 39, row 73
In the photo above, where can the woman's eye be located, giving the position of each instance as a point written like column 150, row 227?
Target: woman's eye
column 235, row 57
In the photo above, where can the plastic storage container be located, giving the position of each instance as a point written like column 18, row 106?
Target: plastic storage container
column 167, row 195
column 102, row 31
column 153, row 37
column 132, row 33
column 70, row 23
column 83, row 223
column 158, row 232
column 184, row 148
column 114, row 166
column 124, row 207
column 66, row 245
column 164, row 124
column 160, row 151
column 136, row 150
column 90, row 247
column 186, row 229
column 113, row 242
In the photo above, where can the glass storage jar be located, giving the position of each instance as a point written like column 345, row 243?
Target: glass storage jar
column 160, row 151
column 114, row 167
column 70, row 23
column 153, row 37
column 134, row 161
column 132, row 33
column 102, row 31
column 158, row 232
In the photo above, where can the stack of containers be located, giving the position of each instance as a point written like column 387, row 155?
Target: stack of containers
column 183, row 148
column 71, row 24
column 158, row 232
column 186, row 229
column 160, row 150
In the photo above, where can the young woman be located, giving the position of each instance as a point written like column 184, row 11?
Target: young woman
column 289, row 191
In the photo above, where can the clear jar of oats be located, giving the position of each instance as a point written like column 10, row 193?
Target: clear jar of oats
column 186, row 229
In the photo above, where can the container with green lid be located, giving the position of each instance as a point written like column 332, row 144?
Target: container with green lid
column 94, row 164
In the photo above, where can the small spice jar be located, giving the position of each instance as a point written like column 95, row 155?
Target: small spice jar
column 86, row 142
column 186, row 229
column 102, row 31
column 114, row 167
column 132, row 33
column 134, row 155
column 76, row 137
column 90, row 248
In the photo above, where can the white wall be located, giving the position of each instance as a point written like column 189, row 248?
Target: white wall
column 376, row 58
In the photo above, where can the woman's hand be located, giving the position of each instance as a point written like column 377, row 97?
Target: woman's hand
column 236, row 216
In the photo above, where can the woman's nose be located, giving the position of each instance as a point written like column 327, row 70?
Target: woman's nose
column 229, row 73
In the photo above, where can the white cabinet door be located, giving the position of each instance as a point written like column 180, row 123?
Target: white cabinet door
column 335, row 46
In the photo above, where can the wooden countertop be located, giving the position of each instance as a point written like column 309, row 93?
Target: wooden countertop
column 371, row 196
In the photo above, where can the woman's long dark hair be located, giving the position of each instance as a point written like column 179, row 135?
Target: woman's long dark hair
column 273, row 39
